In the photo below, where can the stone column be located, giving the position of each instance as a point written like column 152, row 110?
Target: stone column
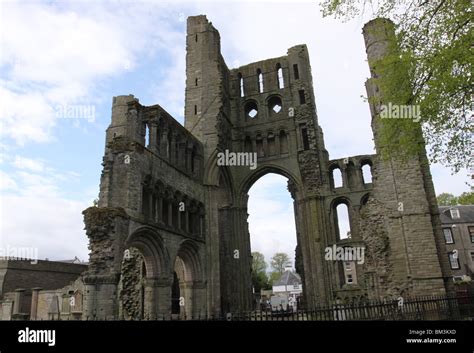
column 163, row 297
column 159, row 208
column 107, row 229
column 187, row 292
column 277, row 143
column 312, row 226
column 101, row 299
column 345, row 177
column 34, row 302
column 153, row 137
column 199, row 299
column 164, row 143
column 170, row 212
column 266, row 152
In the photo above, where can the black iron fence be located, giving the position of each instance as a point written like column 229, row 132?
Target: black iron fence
column 419, row 308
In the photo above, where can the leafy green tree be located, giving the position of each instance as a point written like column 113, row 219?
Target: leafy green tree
column 259, row 274
column 446, row 199
column 274, row 277
column 466, row 198
column 432, row 70
column 279, row 261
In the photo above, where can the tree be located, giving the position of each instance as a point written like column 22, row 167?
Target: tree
column 279, row 261
column 446, row 199
column 466, row 198
column 259, row 275
column 258, row 262
column 434, row 61
column 274, row 277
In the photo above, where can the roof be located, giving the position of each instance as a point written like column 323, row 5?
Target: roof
column 288, row 278
column 466, row 213
column 76, row 260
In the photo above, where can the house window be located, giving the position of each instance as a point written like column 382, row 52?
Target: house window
column 448, row 236
column 453, row 261
column 454, row 213
column 472, row 257
column 349, row 279
column 347, row 265
column 471, row 233
column 296, row 286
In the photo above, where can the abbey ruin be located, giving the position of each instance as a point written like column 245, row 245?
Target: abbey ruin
column 170, row 234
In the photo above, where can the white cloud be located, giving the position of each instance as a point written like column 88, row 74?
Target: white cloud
column 57, row 55
column 51, row 224
column 29, row 164
column 34, row 212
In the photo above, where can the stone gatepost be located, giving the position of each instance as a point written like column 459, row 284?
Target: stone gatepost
column 34, row 302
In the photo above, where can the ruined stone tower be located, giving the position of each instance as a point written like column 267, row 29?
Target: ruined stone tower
column 167, row 205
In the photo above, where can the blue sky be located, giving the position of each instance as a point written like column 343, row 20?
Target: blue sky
column 57, row 54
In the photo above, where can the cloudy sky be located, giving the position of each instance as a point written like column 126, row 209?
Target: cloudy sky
column 56, row 55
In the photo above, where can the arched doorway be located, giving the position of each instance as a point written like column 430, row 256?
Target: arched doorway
column 188, row 287
column 272, row 231
column 145, row 283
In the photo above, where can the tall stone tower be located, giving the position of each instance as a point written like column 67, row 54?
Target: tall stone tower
column 403, row 195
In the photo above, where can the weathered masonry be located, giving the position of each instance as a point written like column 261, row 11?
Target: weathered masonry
column 170, row 233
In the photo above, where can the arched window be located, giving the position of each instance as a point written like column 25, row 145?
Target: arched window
column 274, row 105
column 147, row 135
column 260, row 80
column 241, row 85
column 366, row 173
column 281, row 83
column 336, row 178
column 343, row 226
column 251, row 110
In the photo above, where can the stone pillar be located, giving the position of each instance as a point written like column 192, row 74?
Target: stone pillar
column 187, row 292
column 277, row 143
column 312, row 226
column 153, row 146
column 107, row 229
column 150, row 304
column 34, row 302
column 403, row 186
column 101, row 297
column 199, row 299
column 186, row 219
column 170, row 212
column 345, row 177
column 159, row 208
column 163, row 298
column 266, row 152
column 164, row 143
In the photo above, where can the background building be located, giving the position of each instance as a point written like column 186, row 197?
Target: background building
column 458, row 230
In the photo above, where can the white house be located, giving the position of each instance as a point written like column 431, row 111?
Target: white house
column 289, row 285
